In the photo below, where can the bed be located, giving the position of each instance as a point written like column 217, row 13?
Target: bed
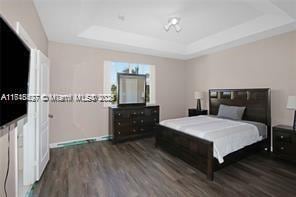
column 210, row 143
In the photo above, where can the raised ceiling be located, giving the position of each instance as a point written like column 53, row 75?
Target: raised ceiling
column 137, row 25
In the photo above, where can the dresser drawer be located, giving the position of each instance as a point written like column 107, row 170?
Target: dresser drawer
column 282, row 149
column 146, row 121
column 155, row 111
column 122, row 114
column 136, row 122
column 137, row 129
column 154, row 120
column 122, row 132
column 146, row 129
column 141, row 113
column 136, row 113
column 121, row 123
column 152, row 111
column 282, row 137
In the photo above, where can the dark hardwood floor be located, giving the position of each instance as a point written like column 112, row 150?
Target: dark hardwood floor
column 138, row 169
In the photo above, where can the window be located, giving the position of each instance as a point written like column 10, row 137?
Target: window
column 111, row 68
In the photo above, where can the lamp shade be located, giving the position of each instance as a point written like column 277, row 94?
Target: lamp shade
column 291, row 102
column 198, row 95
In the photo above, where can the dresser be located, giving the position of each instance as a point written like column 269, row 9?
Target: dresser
column 284, row 142
column 132, row 122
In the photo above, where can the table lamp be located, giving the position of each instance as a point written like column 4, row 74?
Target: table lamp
column 198, row 96
column 292, row 105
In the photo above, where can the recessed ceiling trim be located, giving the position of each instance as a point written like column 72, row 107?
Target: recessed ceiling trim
column 104, row 34
column 261, row 24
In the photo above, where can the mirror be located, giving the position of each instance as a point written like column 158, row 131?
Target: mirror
column 131, row 89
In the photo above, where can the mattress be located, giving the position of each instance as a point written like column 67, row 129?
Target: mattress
column 227, row 135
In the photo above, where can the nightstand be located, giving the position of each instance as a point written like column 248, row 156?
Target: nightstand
column 195, row 112
column 284, row 142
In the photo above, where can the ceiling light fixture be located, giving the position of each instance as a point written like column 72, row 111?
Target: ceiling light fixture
column 173, row 21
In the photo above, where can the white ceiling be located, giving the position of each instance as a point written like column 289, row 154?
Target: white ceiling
column 207, row 25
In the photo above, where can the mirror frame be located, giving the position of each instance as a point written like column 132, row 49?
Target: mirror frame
column 119, row 75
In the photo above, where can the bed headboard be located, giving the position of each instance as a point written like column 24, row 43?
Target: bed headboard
column 256, row 101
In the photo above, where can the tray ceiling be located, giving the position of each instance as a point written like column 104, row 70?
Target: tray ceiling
column 137, row 25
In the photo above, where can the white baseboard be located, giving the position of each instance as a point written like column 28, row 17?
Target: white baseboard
column 77, row 141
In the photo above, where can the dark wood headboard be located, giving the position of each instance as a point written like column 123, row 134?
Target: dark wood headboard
column 256, row 101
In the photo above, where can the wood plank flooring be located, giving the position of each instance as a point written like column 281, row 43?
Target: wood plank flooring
column 137, row 168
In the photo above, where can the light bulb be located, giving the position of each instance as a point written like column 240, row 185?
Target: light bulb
column 174, row 21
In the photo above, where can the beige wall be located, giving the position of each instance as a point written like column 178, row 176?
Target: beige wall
column 77, row 69
column 24, row 11
column 265, row 63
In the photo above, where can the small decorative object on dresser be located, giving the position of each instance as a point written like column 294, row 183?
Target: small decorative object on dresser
column 195, row 112
column 292, row 105
column 131, row 122
column 198, row 96
column 284, row 142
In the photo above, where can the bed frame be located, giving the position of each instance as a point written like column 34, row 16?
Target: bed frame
column 199, row 152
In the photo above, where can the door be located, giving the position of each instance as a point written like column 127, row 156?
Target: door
column 42, row 131
column 27, row 168
column 29, row 144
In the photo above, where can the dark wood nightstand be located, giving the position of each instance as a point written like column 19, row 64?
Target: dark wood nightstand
column 195, row 112
column 284, row 142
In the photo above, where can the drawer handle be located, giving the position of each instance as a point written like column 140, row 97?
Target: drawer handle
column 118, row 114
column 119, row 123
column 142, row 121
column 134, row 113
column 282, row 137
column 118, row 132
column 282, row 148
column 142, row 112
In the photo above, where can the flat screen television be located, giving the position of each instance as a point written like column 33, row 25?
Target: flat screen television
column 14, row 74
column 131, row 89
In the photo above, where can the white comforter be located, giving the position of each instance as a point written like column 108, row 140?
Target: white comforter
column 227, row 135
